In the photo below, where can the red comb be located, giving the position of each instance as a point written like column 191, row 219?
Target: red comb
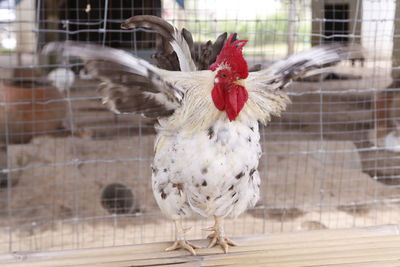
column 231, row 54
column 238, row 44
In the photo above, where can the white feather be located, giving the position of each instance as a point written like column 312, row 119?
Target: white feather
column 182, row 50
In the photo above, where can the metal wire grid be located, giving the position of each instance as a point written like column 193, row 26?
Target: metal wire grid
column 320, row 167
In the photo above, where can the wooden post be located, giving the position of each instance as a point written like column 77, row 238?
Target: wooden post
column 385, row 101
column 316, row 23
column 396, row 50
column 291, row 26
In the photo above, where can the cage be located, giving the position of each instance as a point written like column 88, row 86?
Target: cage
column 73, row 175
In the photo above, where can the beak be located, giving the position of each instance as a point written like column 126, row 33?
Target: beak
column 240, row 82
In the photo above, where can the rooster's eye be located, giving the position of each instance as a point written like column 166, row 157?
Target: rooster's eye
column 223, row 75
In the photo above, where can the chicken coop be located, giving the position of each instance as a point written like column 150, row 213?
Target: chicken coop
column 74, row 175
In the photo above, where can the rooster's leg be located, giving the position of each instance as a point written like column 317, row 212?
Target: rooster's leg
column 218, row 235
column 180, row 239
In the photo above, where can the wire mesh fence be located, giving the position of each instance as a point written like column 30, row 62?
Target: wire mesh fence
column 73, row 175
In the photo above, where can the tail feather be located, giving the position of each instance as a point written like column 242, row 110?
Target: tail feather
column 182, row 50
column 155, row 23
column 181, row 42
column 176, row 49
column 187, row 35
column 217, row 46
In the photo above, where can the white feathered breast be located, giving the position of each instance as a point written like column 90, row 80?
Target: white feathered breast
column 213, row 172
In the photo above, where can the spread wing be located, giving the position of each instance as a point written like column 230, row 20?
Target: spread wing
column 309, row 62
column 264, row 86
column 175, row 50
column 129, row 84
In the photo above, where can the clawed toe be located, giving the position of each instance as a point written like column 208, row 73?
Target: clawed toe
column 218, row 235
column 183, row 244
column 224, row 242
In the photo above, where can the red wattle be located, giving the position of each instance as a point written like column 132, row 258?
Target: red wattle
column 218, row 97
column 235, row 98
column 231, row 100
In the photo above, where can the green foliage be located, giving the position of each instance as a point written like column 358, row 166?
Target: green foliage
column 271, row 29
column 6, row 51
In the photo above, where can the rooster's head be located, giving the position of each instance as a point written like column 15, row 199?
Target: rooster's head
column 231, row 69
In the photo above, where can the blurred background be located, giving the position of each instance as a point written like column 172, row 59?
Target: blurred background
column 74, row 175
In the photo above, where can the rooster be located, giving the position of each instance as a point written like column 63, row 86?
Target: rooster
column 207, row 147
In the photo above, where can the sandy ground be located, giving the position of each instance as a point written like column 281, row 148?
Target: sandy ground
column 56, row 203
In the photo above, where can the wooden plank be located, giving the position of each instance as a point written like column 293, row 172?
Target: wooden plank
column 323, row 247
column 214, row 255
column 394, row 255
column 302, row 257
column 150, row 252
column 254, row 258
column 273, row 239
column 384, row 263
